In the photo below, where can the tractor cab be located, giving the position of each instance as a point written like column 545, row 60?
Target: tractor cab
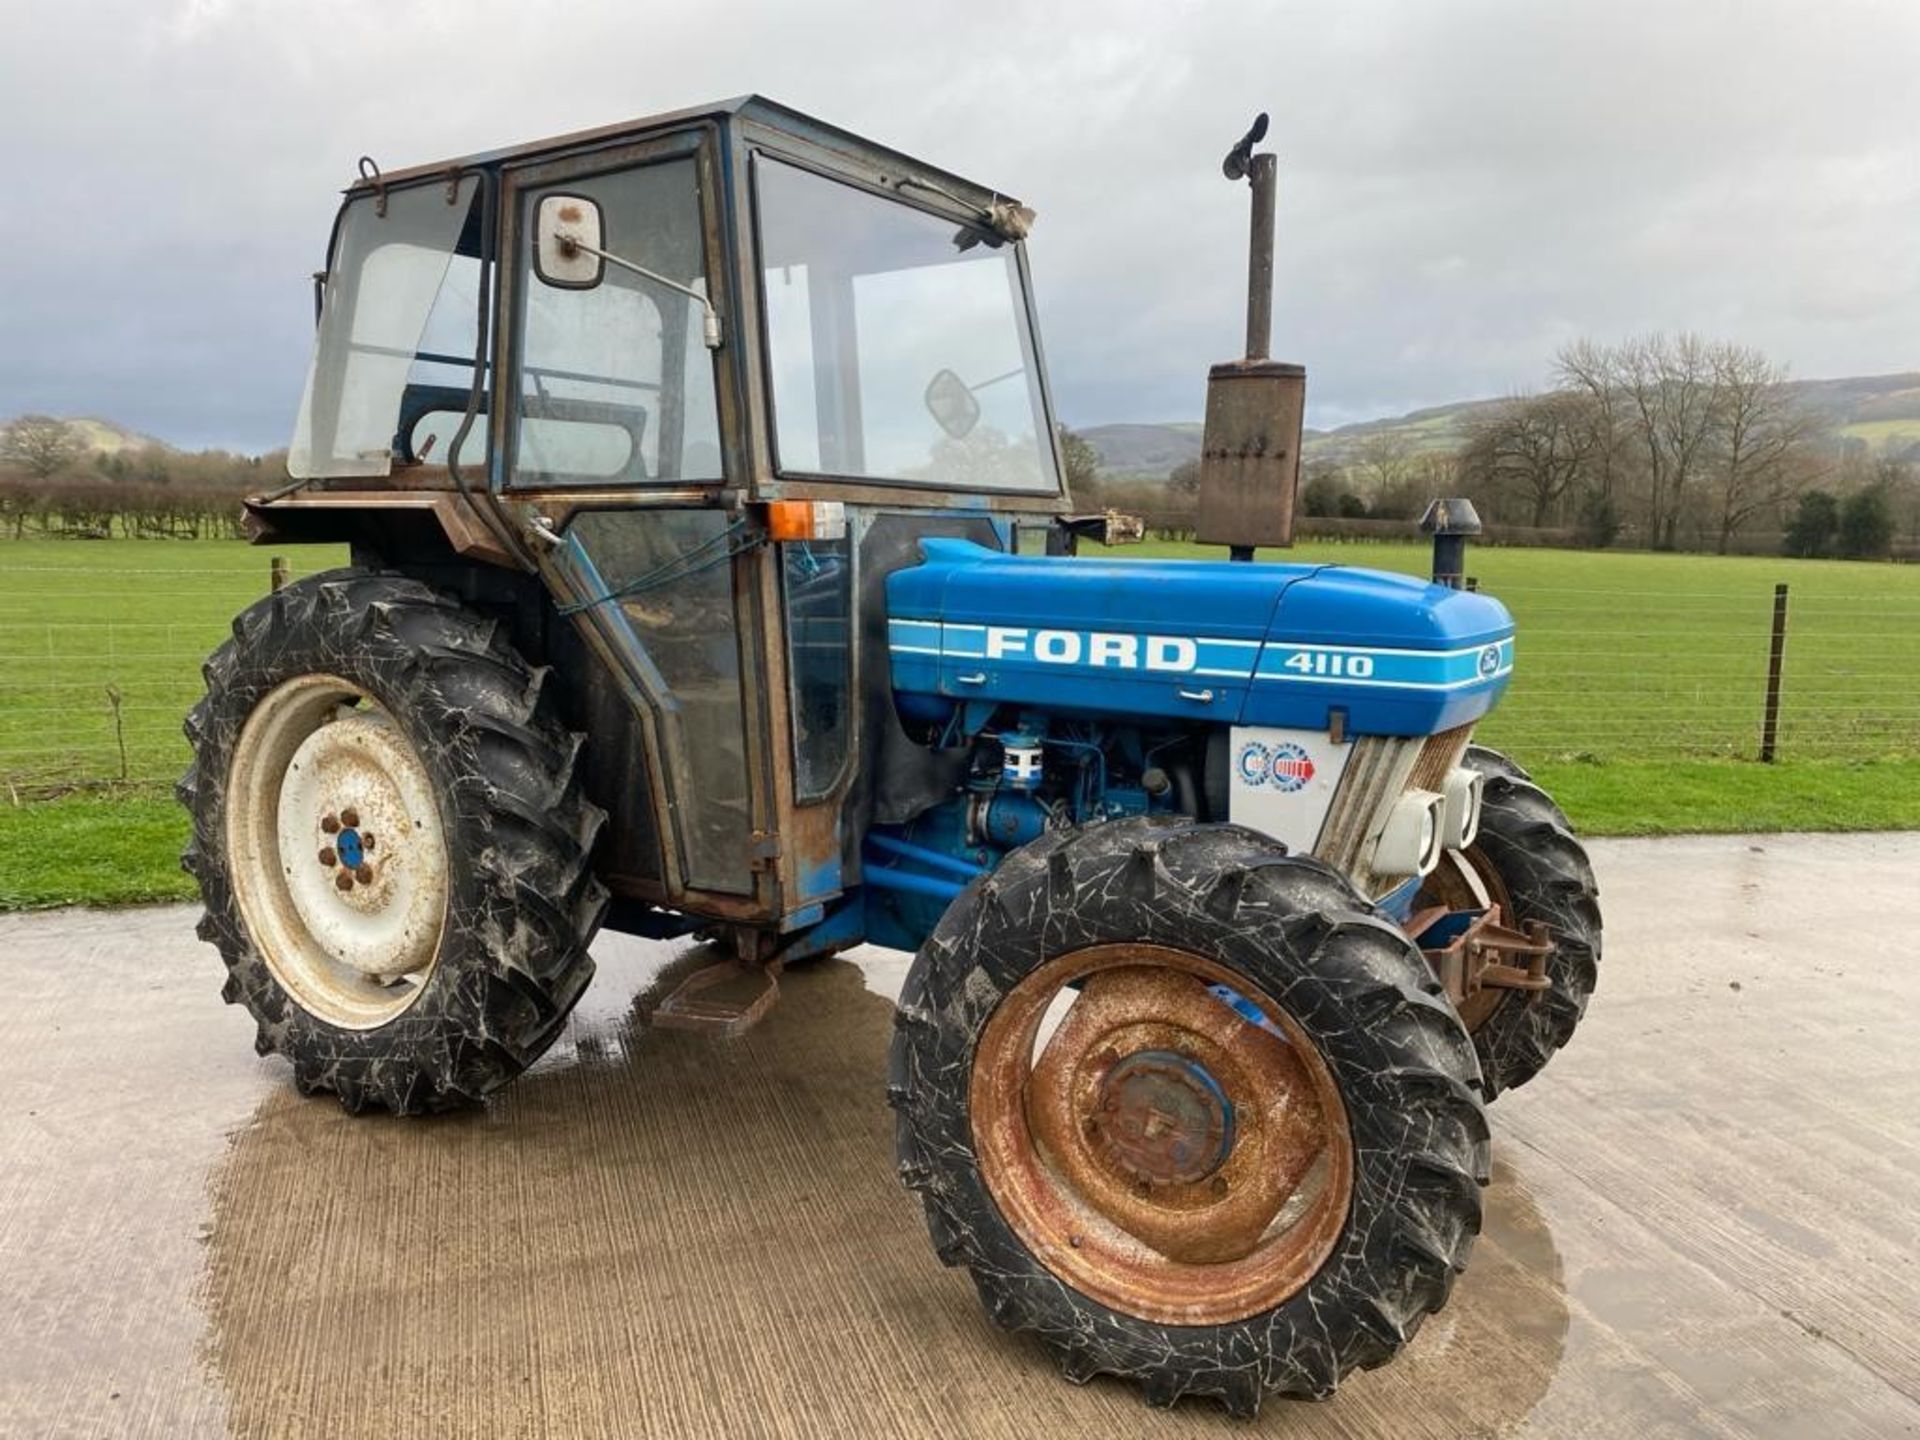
column 709, row 376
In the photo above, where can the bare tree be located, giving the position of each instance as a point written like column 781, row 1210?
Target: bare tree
column 1763, row 438
column 40, row 445
column 1670, row 387
column 1083, row 467
column 1591, row 370
column 1536, row 447
column 1659, row 392
column 1383, row 461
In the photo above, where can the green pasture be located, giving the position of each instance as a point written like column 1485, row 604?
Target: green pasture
column 1638, row 693
column 1630, row 656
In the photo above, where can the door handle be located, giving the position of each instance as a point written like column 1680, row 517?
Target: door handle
column 1205, row 697
column 978, row 678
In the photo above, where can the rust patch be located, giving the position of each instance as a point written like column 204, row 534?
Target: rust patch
column 1198, row 1235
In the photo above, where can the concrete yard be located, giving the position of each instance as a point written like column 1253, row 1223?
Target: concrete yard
column 1704, row 1218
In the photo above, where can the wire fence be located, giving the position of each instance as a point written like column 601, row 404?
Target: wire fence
column 1767, row 673
column 99, row 665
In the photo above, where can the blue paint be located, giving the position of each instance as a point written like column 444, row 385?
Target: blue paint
column 1011, row 819
column 883, row 878
column 1245, row 1009
column 1249, row 644
column 843, row 924
column 1398, row 902
column 821, row 879
column 800, row 919
column 1448, row 928
column 933, row 859
column 348, row 846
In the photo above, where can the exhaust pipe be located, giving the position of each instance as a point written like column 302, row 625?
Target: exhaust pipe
column 1250, row 453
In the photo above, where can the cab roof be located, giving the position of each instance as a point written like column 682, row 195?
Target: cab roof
column 743, row 113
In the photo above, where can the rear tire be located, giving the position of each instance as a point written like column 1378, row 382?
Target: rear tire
column 1357, row 1002
column 424, row 966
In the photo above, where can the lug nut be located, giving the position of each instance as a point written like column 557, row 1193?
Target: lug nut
column 344, row 880
column 327, row 857
column 349, row 816
column 364, row 874
column 366, row 840
column 1219, row 1185
column 329, row 824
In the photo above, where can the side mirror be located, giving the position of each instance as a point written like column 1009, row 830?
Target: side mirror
column 567, row 242
column 951, row 402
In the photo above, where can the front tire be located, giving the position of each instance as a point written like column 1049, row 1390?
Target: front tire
column 1527, row 860
column 1255, row 1163
column 391, row 842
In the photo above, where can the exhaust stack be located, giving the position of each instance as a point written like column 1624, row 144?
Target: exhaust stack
column 1250, row 453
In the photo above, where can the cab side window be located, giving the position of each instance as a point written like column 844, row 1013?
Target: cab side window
column 615, row 384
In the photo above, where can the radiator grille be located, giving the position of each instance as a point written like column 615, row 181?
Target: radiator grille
column 1383, row 768
column 1440, row 756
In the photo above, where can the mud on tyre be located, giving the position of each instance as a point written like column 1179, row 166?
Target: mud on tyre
column 1527, row 859
column 391, row 842
column 1239, row 997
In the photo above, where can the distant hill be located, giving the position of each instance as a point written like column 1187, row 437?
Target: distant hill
column 1876, row 409
column 1145, row 449
column 104, row 435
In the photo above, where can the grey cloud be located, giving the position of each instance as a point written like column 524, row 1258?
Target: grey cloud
column 1464, row 186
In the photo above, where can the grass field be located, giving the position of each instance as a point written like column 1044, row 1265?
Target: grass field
column 1635, row 656
column 1637, row 698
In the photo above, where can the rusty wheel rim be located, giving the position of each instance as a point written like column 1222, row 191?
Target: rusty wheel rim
column 1175, row 1153
column 1467, row 880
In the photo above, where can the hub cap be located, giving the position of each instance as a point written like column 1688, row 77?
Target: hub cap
column 336, row 851
column 1165, row 1139
column 1162, row 1119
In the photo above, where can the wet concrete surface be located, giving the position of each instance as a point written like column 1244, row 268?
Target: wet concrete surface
column 1704, row 1220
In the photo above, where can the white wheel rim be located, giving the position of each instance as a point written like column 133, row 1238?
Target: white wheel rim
column 336, row 851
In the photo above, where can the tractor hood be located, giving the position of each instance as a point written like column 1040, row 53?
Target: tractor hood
column 1242, row 644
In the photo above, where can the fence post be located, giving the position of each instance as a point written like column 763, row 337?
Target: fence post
column 277, row 573
column 1770, row 726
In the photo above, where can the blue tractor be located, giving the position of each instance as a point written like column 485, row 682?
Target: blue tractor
column 693, row 471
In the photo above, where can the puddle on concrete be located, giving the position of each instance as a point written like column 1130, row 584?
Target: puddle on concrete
column 660, row 1233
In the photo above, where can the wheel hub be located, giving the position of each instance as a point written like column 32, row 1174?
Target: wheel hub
column 1162, row 1118
column 1165, row 1136
column 338, row 859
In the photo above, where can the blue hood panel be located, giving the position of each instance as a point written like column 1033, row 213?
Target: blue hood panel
column 1207, row 640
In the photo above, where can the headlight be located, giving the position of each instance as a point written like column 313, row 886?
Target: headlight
column 1460, row 817
column 1409, row 842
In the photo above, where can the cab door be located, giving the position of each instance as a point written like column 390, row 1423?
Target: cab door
column 609, row 440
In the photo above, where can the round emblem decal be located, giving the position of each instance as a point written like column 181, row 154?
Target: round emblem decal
column 1287, row 767
column 1489, row 661
column 1291, row 767
column 1253, row 762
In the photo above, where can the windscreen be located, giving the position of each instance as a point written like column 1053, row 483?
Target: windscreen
column 391, row 274
column 899, row 347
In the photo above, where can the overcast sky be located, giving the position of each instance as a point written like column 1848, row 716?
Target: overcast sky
column 1464, row 186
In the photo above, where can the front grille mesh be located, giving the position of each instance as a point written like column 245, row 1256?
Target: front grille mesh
column 1383, row 768
column 1440, row 756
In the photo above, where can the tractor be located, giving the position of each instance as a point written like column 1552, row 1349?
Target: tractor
column 712, row 574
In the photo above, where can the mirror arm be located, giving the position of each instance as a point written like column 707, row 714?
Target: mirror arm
column 710, row 326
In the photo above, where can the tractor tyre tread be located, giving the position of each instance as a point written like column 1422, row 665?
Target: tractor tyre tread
column 1548, row 876
column 1407, row 1072
column 523, row 899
